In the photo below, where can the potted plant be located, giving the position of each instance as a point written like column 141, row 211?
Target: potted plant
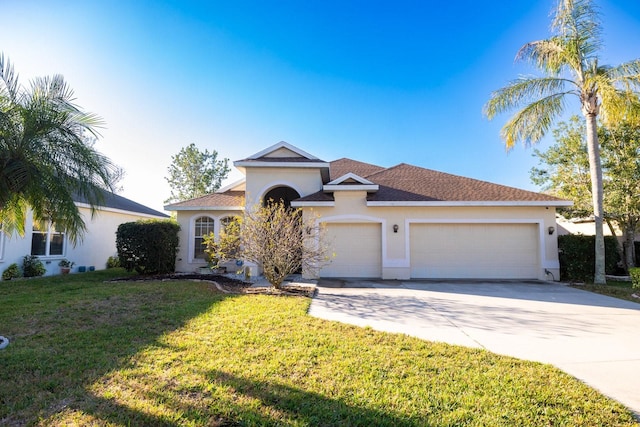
column 65, row 265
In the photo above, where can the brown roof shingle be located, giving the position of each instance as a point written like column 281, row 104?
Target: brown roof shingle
column 343, row 166
column 227, row 199
column 412, row 183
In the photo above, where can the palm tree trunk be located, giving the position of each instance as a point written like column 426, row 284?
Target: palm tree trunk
column 595, row 168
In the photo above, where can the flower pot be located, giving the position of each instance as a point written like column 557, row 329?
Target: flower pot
column 65, row 270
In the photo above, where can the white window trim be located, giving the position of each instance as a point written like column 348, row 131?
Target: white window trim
column 48, row 233
column 192, row 235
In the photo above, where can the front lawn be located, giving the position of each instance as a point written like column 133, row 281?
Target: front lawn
column 613, row 288
column 88, row 352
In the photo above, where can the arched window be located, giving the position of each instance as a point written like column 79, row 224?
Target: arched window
column 202, row 227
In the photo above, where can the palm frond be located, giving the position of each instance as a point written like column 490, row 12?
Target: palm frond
column 524, row 90
column 532, row 122
column 547, row 55
column 578, row 21
column 47, row 159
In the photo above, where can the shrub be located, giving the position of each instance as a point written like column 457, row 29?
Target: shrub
column 148, row 247
column 32, row 266
column 11, row 272
column 113, row 262
column 635, row 277
column 577, row 256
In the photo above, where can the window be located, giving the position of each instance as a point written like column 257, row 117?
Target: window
column 46, row 242
column 203, row 226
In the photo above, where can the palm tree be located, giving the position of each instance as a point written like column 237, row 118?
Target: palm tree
column 47, row 160
column 569, row 62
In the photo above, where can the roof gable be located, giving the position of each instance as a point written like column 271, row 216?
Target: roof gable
column 282, row 150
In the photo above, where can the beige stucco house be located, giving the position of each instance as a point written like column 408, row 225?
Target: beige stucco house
column 402, row 222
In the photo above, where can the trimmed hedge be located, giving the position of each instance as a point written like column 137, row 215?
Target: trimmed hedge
column 148, row 247
column 634, row 272
column 577, row 256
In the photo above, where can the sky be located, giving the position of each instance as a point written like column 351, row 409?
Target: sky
column 383, row 82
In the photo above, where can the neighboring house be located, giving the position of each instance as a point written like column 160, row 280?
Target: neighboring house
column 98, row 244
column 401, row 222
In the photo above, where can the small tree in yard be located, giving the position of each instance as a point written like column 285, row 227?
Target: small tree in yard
column 278, row 238
column 226, row 246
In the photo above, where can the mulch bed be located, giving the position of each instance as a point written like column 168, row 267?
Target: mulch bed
column 228, row 284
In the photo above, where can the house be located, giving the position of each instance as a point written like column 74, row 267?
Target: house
column 402, row 222
column 98, row 244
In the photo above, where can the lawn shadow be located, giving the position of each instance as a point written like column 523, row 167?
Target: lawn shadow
column 277, row 404
column 74, row 339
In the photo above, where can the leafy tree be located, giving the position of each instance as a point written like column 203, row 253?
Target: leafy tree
column 569, row 62
column 47, row 159
column 279, row 239
column 194, row 173
column 564, row 171
column 226, row 246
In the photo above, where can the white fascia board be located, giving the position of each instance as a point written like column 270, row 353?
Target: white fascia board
column 348, row 176
column 231, row 186
column 204, row 208
column 282, row 144
column 250, row 164
column 350, row 187
column 560, row 203
column 313, row 204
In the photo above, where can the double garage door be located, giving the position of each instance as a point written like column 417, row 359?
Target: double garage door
column 439, row 251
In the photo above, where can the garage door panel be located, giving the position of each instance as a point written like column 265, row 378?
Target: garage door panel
column 497, row 251
column 357, row 249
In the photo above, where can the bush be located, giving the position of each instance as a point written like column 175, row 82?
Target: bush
column 12, row 272
column 148, row 247
column 113, row 262
column 577, row 256
column 635, row 277
column 32, row 266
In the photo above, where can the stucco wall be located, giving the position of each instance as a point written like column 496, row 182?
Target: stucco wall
column 185, row 261
column 98, row 244
column 260, row 180
column 350, row 206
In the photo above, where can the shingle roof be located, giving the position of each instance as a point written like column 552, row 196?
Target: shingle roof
column 114, row 201
column 412, row 183
column 408, row 183
column 228, row 199
column 343, row 166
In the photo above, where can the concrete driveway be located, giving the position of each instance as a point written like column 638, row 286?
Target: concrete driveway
column 592, row 337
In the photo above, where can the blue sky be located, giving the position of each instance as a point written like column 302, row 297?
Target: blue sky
column 380, row 82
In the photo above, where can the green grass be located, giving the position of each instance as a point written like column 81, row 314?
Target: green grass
column 89, row 352
column 613, row 288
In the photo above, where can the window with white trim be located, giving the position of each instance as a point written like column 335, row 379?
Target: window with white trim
column 46, row 241
column 202, row 227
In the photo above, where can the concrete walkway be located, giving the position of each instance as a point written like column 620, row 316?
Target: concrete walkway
column 592, row 337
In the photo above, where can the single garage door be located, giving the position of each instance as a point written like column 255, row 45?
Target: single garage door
column 474, row 251
column 357, row 248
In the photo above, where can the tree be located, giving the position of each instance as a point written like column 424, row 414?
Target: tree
column 226, row 245
column 194, row 173
column 279, row 239
column 621, row 161
column 564, row 171
column 569, row 62
column 47, row 159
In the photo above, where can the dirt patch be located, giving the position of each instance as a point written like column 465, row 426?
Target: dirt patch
column 225, row 284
